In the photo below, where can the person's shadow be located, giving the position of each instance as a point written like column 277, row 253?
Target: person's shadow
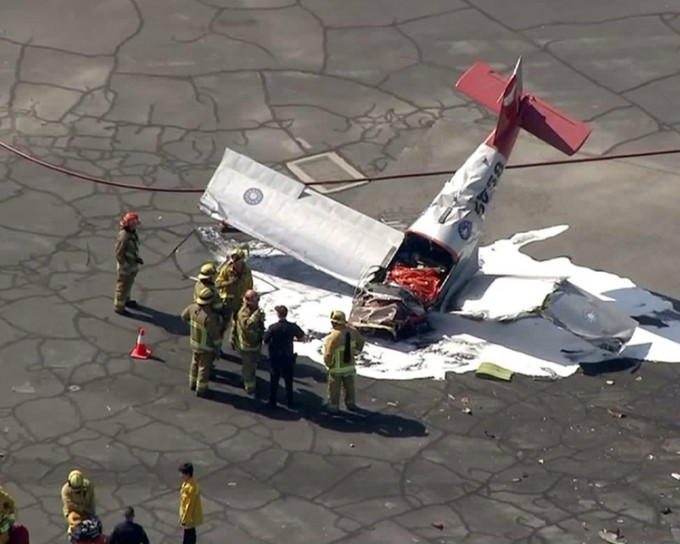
column 172, row 323
column 310, row 406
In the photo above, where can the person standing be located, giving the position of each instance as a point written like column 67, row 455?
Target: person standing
column 342, row 346
column 128, row 532
column 190, row 507
column 78, row 499
column 127, row 262
column 205, row 339
column 233, row 279
column 279, row 338
column 246, row 338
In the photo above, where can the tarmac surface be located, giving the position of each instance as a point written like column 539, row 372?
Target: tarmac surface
column 150, row 92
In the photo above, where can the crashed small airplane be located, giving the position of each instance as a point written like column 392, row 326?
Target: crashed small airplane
column 399, row 277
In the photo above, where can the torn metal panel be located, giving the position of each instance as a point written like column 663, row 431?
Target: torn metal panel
column 597, row 322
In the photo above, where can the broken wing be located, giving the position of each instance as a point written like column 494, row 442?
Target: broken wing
column 297, row 220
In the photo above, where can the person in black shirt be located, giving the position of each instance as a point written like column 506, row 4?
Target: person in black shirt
column 279, row 339
column 128, row 532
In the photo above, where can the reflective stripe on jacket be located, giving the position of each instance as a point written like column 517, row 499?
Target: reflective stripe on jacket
column 232, row 287
column 248, row 329
column 205, row 328
column 336, row 359
column 127, row 250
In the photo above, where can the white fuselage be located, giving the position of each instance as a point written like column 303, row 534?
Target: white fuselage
column 455, row 217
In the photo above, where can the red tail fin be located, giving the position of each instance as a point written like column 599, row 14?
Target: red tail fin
column 506, row 98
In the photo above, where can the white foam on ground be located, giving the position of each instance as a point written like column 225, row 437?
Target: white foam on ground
column 510, row 283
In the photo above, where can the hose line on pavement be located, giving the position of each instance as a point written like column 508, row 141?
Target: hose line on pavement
column 122, row 185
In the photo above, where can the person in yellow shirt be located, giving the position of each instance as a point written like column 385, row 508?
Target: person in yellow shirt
column 8, row 515
column 342, row 347
column 190, row 507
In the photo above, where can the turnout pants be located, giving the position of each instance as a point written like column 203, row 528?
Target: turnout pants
column 335, row 384
column 281, row 367
column 199, row 371
column 189, row 536
column 124, row 282
column 249, row 362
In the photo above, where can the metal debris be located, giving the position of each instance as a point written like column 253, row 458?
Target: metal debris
column 615, row 413
column 675, row 475
column 612, row 538
column 24, row 388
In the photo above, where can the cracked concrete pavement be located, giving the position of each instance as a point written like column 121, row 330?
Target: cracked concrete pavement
column 150, row 93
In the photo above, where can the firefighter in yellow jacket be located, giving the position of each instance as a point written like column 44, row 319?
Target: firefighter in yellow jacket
column 190, row 506
column 232, row 282
column 77, row 498
column 127, row 262
column 204, row 323
column 8, row 515
column 342, row 346
column 246, row 338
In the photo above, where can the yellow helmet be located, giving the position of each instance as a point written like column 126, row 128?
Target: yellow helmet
column 238, row 254
column 338, row 316
column 205, row 296
column 207, row 272
column 75, row 479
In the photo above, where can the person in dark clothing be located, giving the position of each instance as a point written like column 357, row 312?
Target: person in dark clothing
column 128, row 532
column 279, row 340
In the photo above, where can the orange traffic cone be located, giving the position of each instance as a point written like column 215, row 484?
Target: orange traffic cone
column 140, row 351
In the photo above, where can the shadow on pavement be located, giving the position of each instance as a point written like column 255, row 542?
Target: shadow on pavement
column 310, row 406
column 170, row 322
column 611, row 367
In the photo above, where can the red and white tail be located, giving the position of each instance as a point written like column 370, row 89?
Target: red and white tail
column 513, row 106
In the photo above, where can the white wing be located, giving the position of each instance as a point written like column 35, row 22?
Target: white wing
column 297, row 220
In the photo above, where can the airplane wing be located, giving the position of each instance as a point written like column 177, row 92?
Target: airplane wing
column 297, row 220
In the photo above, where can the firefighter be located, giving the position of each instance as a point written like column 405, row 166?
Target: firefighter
column 232, row 282
column 205, row 339
column 206, row 278
column 77, row 497
column 8, row 515
column 127, row 262
column 342, row 346
column 246, row 337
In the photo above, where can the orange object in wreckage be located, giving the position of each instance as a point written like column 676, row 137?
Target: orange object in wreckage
column 424, row 283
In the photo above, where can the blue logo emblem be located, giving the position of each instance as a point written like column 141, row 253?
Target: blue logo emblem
column 253, row 196
column 465, row 229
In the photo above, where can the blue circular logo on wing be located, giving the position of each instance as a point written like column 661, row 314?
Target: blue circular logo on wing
column 253, row 196
column 465, row 229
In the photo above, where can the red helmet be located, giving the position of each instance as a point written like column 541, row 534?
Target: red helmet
column 129, row 216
